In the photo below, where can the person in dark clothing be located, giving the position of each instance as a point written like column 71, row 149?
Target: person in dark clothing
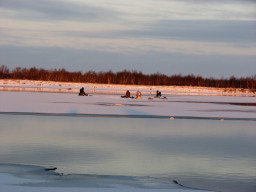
column 158, row 93
column 82, row 93
column 127, row 95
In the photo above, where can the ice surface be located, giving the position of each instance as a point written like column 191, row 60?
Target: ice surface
column 112, row 104
column 22, row 96
column 23, row 178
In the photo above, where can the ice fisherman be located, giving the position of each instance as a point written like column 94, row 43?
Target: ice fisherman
column 82, row 93
column 127, row 95
column 138, row 95
column 158, row 93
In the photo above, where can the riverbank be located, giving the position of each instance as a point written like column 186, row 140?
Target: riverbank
column 66, row 87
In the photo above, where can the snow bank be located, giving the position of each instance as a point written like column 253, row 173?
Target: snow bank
column 50, row 86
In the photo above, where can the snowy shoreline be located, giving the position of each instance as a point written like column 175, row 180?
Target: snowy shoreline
column 66, row 87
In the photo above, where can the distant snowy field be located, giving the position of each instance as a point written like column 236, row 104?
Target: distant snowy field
column 58, row 97
column 50, row 86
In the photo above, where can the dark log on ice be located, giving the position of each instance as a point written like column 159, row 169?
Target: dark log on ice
column 50, row 169
column 177, row 183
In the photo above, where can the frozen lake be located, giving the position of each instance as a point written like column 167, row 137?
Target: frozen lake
column 203, row 154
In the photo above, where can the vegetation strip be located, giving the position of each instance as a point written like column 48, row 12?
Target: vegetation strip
column 126, row 77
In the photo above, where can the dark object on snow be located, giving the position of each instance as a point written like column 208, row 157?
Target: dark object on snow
column 158, row 93
column 177, row 183
column 127, row 95
column 82, row 93
column 50, row 169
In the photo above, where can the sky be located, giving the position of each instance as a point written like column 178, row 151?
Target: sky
column 211, row 38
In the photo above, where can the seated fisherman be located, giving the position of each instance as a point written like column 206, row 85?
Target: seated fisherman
column 82, row 93
column 138, row 95
column 158, row 93
column 127, row 94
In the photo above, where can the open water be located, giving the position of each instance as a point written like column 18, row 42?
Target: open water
column 198, row 153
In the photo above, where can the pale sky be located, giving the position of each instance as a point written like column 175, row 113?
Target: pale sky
column 204, row 37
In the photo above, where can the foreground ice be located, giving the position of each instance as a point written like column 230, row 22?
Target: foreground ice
column 22, row 178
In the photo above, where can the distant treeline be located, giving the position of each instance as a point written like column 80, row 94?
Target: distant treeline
column 125, row 77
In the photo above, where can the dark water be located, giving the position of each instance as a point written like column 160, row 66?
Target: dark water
column 205, row 154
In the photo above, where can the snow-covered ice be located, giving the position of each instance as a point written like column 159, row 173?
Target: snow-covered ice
column 55, row 97
column 22, row 178
column 21, row 96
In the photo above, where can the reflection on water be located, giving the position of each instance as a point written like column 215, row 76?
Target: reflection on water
column 207, row 154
